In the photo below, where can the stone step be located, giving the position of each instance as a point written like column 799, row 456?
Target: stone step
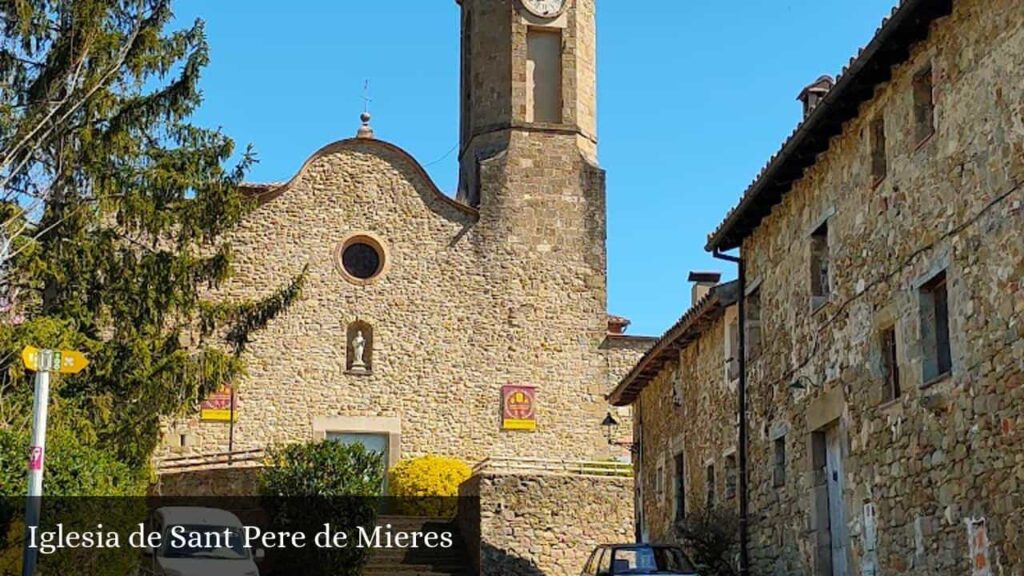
column 416, row 556
column 420, row 561
column 417, row 571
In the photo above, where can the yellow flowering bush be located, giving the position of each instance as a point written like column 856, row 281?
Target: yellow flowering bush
column 428, row 485
column 428, row 476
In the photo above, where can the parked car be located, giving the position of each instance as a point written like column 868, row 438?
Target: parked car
column 194, row 544
column 638, row 560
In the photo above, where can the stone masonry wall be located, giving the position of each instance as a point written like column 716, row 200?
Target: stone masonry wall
column 703, row 429
column 622, row 353
column 917, row 471
column 466, row 306
column 545, row 524
column 241, row 481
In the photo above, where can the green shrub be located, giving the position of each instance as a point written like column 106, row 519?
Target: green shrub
column 324, row 468
column 711, row 537
column 305, row 486
column 73, row 468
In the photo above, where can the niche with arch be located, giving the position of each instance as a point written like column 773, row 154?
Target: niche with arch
column 359, row 335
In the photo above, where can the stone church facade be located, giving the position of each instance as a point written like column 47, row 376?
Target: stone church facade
column 417, row 308
column 883, row 253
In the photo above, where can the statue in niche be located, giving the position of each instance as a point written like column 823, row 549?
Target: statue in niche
column 360, row 347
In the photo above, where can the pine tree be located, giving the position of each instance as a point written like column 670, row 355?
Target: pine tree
column 113, row 212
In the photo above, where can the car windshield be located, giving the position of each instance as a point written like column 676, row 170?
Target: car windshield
column 650, row 560
column 204, row 541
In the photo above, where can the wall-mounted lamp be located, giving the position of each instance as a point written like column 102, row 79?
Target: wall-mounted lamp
column 801, row 383
column 610, row 425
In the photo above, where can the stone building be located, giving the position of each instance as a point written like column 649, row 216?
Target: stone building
column 683, row 395
column 883, row 281
column 418, row 308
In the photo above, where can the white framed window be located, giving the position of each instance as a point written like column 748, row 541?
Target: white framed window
column 381, row 434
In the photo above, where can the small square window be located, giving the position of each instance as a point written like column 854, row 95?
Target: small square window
column 677, row 388
column 659, row 482
column 731, row 476
column 710, row 486
column 680, row 486
column 732, row 356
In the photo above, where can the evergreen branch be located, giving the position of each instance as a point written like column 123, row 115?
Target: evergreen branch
column 103, row 81
column 248, row 317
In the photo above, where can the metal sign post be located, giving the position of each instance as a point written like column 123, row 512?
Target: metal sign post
column 42, row 362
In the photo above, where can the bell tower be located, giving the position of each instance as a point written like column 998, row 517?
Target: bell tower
column 528, row 163
column 528, row 66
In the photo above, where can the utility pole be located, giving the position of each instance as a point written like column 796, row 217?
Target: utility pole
column 42, row 362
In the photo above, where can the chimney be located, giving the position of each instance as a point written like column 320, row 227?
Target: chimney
column 813, row 94
column 703, row 282
column 617, row 325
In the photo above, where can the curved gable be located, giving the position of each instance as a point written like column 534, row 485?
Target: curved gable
column 401, row 160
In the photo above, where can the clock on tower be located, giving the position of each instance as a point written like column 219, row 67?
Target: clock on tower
column 545, row 8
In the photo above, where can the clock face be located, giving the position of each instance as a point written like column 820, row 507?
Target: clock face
column 545, row 8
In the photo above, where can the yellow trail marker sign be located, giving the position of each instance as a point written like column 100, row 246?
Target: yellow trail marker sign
column 63, row 361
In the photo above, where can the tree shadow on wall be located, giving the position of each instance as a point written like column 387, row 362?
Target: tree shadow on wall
column 501, row 562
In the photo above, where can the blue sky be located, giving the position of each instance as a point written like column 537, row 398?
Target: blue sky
column 694, row 97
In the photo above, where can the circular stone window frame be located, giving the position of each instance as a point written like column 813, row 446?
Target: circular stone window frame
column 373, row 241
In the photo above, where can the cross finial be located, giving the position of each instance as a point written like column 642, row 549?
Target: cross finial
column 365, row 131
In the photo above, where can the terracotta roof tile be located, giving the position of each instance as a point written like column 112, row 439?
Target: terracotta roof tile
column 907, row 24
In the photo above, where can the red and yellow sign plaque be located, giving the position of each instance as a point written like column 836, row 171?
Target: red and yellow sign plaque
column 518, row 407
column 217, row 408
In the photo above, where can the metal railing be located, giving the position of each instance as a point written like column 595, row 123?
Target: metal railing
column 193, row 462
column 554, row 467
column 249, row 458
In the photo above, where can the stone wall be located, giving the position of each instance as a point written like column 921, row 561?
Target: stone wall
column 544, row 524
column 240, row 481
column 622, row 353
column 514, row 295
column 702, row 429
column 916, row 470
column 933, row 481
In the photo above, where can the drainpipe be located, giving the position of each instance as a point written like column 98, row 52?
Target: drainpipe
column 742, row 409
column 638, row 497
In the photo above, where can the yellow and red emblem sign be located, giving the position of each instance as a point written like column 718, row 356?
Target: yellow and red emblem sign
column 217, row 407
column 518, row 407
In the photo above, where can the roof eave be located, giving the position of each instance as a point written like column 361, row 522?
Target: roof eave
column 872, row 66
column 720, row 297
